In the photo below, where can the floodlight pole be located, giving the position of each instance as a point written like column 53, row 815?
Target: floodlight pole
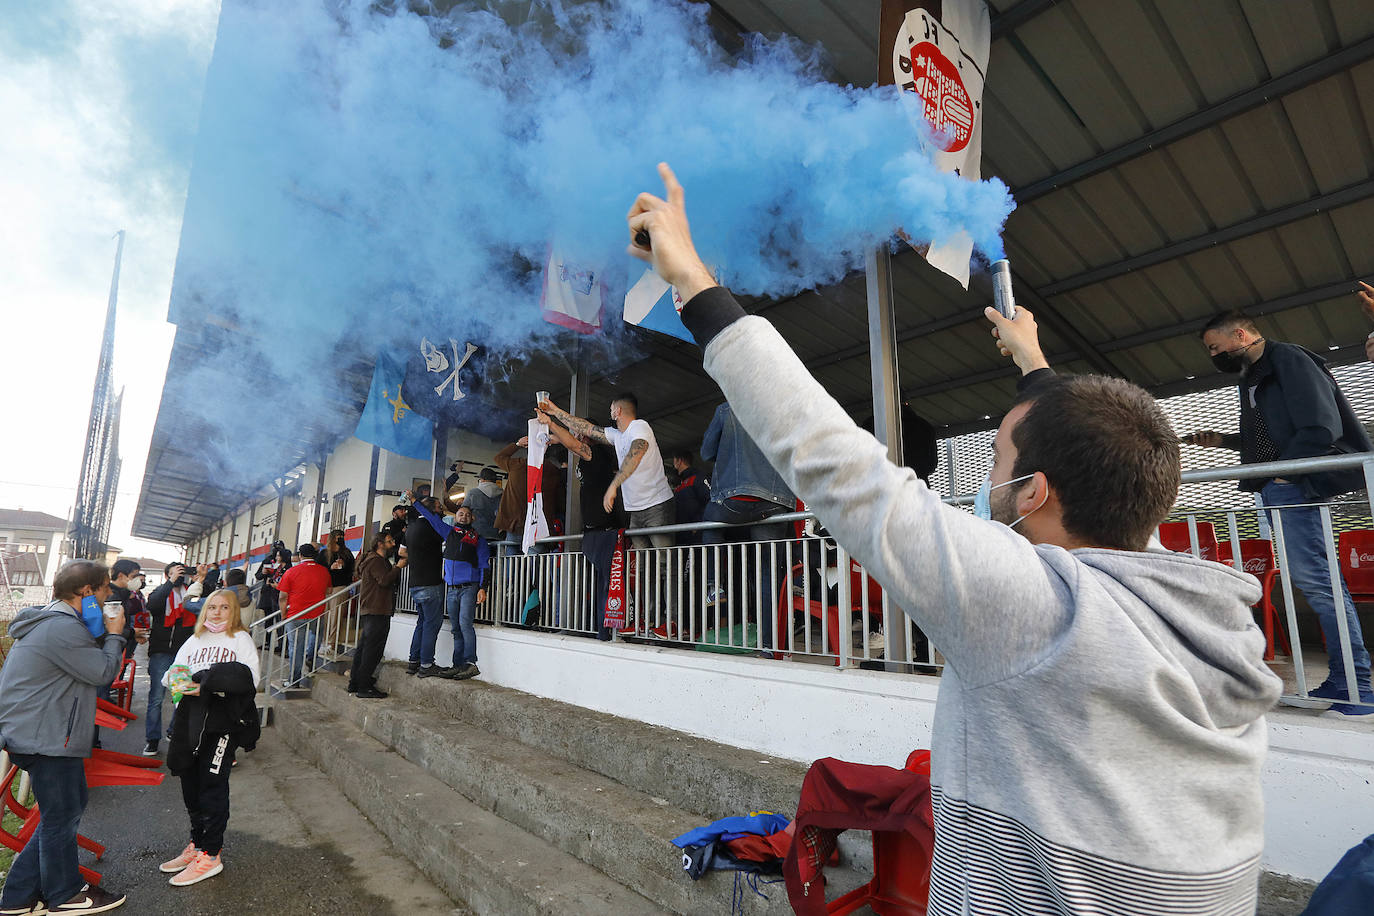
column 369, row 511
column 579, row 405
column 887, row 405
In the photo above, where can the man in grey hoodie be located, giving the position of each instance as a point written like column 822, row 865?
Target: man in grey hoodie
column 47, row 710
column 1100, row 728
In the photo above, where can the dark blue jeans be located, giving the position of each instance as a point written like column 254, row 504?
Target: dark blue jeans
column 1305, row 541
column 158, row 663
column 752, row 515
column 302, row 636
column 46, row 869
column 429, row 617
column 462, row 607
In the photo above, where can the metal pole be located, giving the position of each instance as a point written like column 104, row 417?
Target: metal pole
column 319, row 500
column 281, row 507
column 887, row 406
column 440, row 464
column 234, row 534
column 579, row 405
column 371, row 495
column 252, row 523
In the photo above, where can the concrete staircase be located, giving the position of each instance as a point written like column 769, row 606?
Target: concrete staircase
column 515, row 804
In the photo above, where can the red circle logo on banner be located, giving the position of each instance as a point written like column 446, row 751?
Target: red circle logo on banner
column 948, row 107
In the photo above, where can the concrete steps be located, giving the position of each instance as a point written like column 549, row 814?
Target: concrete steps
column 472, row 854
column 608, row 793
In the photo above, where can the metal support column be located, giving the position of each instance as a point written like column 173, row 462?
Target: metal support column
column 252, row 523
column 579, row 405
column 887, row 405
column 281, row 507
column 440, row 466
column 371, row 496
column 233, row 532
column 319, row 500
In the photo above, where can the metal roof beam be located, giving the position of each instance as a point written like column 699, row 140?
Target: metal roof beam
column 1018, row 16
column 1271, row 219
column 1188, row 125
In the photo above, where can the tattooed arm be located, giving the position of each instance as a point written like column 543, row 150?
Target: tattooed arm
column 637, row 450
column 576, row 425
column 565, row 438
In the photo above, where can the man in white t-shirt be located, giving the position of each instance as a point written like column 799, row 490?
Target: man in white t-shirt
column 641, row 482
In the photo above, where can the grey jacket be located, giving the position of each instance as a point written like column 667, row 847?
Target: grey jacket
column 48, row 683
column 1100, row 731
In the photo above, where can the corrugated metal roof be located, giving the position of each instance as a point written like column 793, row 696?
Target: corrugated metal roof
column 1171, row 159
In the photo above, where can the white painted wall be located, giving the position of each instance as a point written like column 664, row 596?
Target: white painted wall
column 1318, row 781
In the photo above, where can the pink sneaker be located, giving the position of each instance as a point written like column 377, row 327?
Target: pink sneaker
column 202, row 866
column 181, row 861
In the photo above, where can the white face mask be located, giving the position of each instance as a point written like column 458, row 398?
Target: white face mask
column 136, row 584
column 982, row 503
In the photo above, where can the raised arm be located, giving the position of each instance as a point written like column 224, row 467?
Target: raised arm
column 434, row 521
column 577, row 425
column 981, row 591
column 565, row 438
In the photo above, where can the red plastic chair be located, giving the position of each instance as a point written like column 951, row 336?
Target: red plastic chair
column 29, row 816
column 901, row 869
column 123, row 685
column 1355, row 550
column 1174, row 536
column 828, row 612
column 1257, row 558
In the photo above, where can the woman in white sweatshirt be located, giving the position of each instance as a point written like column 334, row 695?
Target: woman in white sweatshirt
column 214, row 715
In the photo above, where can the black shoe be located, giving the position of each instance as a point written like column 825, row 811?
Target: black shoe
column 90, row 900
column 434, row 671
column 372, row 694
column 29, row 909
column 413, row 668
column 465, row 672
column 352, row 689
column 150, row 749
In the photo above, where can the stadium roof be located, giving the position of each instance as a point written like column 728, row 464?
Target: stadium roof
column 1170, row 160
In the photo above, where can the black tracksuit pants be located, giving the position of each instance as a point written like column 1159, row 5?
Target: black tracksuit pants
column 205, row 790
column 368, row 654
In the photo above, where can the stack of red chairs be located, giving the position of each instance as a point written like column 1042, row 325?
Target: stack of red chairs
column 1174, row 536
column 103, row 768
column 123, row 686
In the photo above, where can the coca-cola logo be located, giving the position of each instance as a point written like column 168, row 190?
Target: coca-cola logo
column 1256, row 565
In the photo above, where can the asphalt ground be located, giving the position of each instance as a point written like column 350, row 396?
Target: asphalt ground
column 294, row 846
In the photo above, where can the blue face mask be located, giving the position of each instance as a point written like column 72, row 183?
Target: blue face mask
column 982, row 503
column 92, row 616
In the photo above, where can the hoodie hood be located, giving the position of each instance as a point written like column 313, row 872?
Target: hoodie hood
column 30, row 617
column 1198, row 614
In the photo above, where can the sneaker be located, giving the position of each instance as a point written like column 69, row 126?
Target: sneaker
column 90, row 900
column 465, row 672
column 434, row 671
column 371, row 694
column 187, row 855
column 1347, row 711
column 202, row 866
column 37, row 908
column 413, row 668
column 352, row 689
column 150, row 749
column 1331, row 690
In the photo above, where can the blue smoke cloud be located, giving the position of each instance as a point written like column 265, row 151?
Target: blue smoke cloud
column 367, row 174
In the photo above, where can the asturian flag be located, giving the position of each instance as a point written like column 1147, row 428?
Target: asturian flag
column 653, row 304
column 536, row 523
column 573, row 295
column 388, row 420
column 937, row 50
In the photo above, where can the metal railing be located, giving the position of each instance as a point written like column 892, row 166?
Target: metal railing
column 805, row 599
column 292, row 649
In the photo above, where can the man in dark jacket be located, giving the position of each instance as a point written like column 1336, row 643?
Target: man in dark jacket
column 47, row 709
column 467, row 573
column 1291, row 407
column 425, row 553
column 691, row 493
column 171, row 624
column 377, row 580
column 397, row 526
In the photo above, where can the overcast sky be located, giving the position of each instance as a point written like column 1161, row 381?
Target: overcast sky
column 100, row 100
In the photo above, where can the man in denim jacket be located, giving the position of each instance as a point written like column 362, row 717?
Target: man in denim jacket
column 746, row 491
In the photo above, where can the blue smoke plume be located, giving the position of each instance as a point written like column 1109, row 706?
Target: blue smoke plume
column 364, row 173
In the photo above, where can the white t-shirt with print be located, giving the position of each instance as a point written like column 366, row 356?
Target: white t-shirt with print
column 200, row 652
column 647, row 486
